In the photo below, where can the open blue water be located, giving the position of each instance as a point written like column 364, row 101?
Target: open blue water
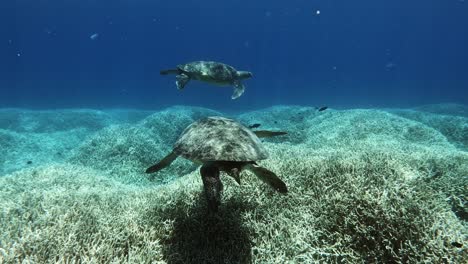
column 368, row 53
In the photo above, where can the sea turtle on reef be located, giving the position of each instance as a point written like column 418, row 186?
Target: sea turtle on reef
column 212, row 72
column 222, row 144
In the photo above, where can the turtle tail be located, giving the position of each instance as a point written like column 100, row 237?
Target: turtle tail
column 170, row 71
column 166, row 161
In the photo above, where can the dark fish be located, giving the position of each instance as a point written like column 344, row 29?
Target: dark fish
column 29, row 162
column 456, row 244
column 323, row 108
column 254, row 125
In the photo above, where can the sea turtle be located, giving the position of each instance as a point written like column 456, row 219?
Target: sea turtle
column 222, row 144
column 212, row 72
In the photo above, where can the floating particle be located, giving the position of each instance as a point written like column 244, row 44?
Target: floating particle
column 18, row 54
column 317, row 12
column 94, row 36
column 390, row 66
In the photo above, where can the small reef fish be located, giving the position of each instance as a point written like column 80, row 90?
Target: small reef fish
column 254, row 125
column 323, row 108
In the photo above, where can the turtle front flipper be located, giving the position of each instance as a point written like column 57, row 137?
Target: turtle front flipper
column 181, row 80
column 212, row 186
column 238, row 89
column 267, row 133
column 268, row 177
column 166, row 161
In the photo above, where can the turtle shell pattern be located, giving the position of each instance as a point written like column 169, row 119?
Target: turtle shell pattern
column 210, row 70
column 219, row 139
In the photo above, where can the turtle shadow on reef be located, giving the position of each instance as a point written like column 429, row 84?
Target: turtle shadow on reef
column 201, row 237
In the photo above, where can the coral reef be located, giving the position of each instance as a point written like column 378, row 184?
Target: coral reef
column 444, row 109
column 455, row 128
column 364, row 186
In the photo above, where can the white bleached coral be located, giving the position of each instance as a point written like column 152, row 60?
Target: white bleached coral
column 364, row 186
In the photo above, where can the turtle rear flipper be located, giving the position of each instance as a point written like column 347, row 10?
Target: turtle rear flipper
column 181, row 80
column 238, row 90
column 166, row 161
column 266, row 133
column 268, row 177
column 212, row 185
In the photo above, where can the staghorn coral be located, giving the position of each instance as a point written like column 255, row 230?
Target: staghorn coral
column 373, row 192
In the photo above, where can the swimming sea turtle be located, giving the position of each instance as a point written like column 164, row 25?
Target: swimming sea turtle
column 212, row 72
column 222, row 144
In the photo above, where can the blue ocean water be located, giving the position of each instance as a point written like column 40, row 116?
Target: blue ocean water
column 107, row 54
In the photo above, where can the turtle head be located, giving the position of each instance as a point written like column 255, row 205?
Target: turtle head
column 244, row 74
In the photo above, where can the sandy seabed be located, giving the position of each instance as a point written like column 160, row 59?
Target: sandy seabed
column 365, row 186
